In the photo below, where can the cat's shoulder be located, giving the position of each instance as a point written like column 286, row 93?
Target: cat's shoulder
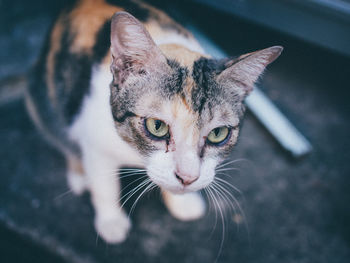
column 84, row 23
column 80, row 39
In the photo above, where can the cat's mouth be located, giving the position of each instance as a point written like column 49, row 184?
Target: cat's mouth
column 177, row 187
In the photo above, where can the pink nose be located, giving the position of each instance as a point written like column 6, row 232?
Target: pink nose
column 186, row 180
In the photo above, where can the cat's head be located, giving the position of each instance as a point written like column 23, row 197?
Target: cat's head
column 181, row 110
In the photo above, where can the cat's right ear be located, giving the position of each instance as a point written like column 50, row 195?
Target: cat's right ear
column 241, row 74
column 133, row 49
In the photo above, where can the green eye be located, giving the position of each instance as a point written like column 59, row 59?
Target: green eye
column 157, row 127
column 218, row 135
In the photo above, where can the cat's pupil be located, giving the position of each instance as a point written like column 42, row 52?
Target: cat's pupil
column 157, row 124
column 217, row 131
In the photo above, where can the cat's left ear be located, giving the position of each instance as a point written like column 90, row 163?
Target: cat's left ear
column 132, row 47
column 243, row 72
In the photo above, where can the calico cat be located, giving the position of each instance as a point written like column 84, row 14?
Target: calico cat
column 111, row 90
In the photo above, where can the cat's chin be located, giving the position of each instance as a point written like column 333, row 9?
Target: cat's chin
column 174, row 190
column 179, row 190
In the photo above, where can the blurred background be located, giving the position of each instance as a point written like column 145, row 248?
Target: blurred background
column 295, row 209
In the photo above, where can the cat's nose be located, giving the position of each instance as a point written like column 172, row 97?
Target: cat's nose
column 186, row 179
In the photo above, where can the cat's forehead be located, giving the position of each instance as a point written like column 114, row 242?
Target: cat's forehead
column 185, row 69
column 183, row 92
column 193, row 78
column 180, row 54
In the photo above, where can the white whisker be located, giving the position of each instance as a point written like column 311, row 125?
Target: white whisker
column 132, row 188
column 149, row 186
column 211, row 194
column 230, row 162
column 134, row 191
column 137, row 179
column 223, row 224
column 228, row 169
column 128, row 175
column 227, row 183
column 224, row 196
column 63, row 194
column 241, row 211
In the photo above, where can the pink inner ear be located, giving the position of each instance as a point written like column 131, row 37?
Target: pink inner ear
column 131, row 43
column 249, row 67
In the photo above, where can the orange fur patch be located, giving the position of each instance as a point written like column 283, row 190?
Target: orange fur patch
column 75, row 165
column 181, row 110
column 181, row 54
column 55, row 43
column 86, row 20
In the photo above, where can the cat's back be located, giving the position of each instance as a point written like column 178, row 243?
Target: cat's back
column 80, row 39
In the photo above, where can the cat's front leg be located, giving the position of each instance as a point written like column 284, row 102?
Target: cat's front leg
column 186, row 207
column 111, row 222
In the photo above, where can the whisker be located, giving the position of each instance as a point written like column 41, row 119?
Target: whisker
column 63, row 194
column 128, row 175
column 231, row 162
column 134, row 181
column 204, row 193
column 126, row 172
column 224, row 196
column 112, row 173
column 225, row 174
column 215, row 205
column 241, row 211
column 149, row 186
column 231, row 195
column 136, row 189
column 223, row 225
column 205, row 189
column 227, row 169
column 131, row 169
column 97, row 236
column 132, row 188
column 230, row 185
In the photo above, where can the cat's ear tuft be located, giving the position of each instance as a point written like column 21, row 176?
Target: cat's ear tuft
column 132, row 47
column 245, row 70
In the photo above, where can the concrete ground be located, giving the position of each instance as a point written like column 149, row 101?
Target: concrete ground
column 295, row 210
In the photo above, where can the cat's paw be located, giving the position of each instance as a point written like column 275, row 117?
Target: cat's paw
column 76, row 182
column 186, row 207
column 113, row 230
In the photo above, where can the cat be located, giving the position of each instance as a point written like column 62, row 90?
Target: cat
column 111, row 90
